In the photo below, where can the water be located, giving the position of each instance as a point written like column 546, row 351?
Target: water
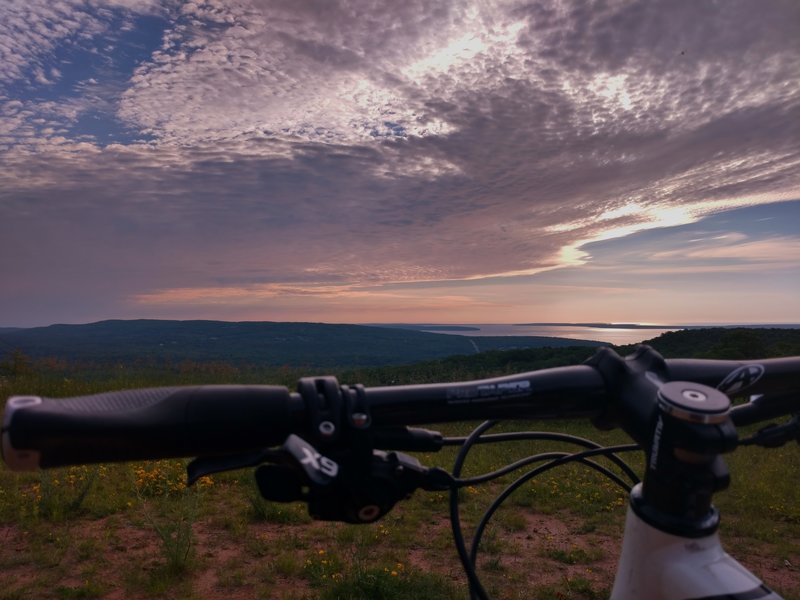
column 611, row 335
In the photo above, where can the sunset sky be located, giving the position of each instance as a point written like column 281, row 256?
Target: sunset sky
column 400, row 161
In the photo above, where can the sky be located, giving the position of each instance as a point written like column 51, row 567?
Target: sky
column 440, row 162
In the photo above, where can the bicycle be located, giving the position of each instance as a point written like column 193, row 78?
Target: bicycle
column 342, row 449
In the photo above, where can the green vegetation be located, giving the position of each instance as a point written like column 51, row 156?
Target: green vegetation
column 164, row 343
column 731, row 343
column 132, row 530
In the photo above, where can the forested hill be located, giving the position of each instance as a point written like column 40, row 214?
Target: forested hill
column 728, row 343
column 253, row 343
column 395, row 359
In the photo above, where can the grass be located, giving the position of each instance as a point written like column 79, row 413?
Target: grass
column 574, row 555
column 572, row 588
column 163, row 538
column 84, row 532
column 389, row 584
column 173, row 526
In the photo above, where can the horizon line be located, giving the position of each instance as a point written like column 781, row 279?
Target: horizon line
column 588, row 324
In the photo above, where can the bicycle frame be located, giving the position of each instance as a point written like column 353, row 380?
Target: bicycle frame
column 661, row 566
column 671, row 548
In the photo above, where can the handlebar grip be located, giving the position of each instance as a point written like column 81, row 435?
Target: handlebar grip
column 149, row 423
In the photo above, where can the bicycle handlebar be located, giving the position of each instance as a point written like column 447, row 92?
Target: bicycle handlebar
column 219, row 420
column 144, row 424
column 212, row 420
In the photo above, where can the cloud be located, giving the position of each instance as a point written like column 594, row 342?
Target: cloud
column 231, row 72
column 258, row 146
column 32, row 31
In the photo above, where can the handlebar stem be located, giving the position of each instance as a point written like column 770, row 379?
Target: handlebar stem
column 683, row 427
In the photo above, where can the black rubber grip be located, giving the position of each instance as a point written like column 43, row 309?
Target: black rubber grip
column 147, row 423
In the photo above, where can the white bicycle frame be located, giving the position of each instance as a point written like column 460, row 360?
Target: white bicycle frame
column 659, row 566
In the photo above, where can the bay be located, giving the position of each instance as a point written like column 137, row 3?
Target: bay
column 611, row 335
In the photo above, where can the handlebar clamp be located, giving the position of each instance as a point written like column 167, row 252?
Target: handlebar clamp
column 323, row 400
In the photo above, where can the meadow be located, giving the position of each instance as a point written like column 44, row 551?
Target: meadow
column 135, row 531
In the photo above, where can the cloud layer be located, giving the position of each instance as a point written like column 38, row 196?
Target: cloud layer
column 157, row 154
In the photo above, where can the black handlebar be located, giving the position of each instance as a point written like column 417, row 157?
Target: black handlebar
column 561, row 392
column 215, row 420
column 220, row 420
column 145, row 424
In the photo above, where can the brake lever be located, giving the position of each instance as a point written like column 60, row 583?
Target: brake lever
column 295, row 453
column 774, row 435
column 203, row 466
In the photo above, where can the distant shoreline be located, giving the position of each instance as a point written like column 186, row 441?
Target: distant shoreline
column 477, row 327
column 441, row 327
column 425, row 326
column 642, row 326
column 611, row 333
column 608, row 325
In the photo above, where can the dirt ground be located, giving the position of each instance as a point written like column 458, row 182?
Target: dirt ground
column 103, row 558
